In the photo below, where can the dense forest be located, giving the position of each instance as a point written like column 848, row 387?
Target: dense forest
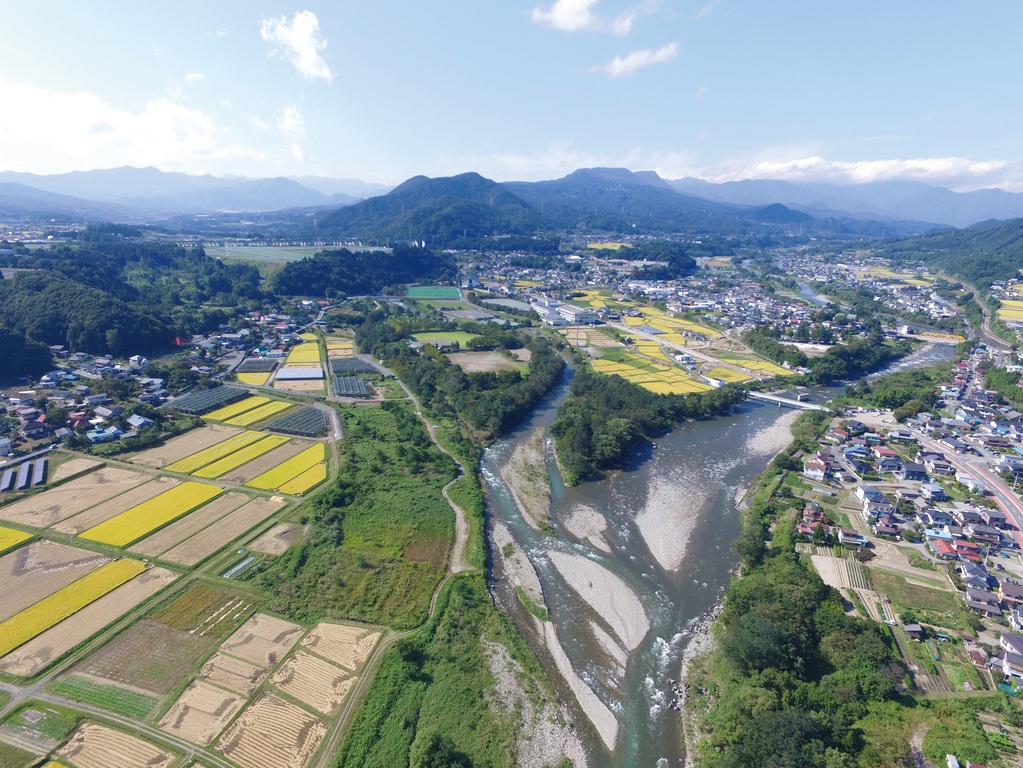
column 354, row 273
column 19, row 354
column 604, row 417
column 674, row 259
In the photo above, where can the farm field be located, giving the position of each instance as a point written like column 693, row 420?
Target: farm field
column 97, row 746
column 475, row 362
column 56, row 504
column 72, row 467
column 307, row 385
column 204, row 610
column 433, row 292
column 179, row 530
column 32, row 657
column 241, row 456
column 201, row 713
column 206, row 542
column 279, row 475
column 313, row 681
column 306, row 481
column 192, row 462
column 254, row 379
column 40, row 569
column 237, row 407
column 148, row 516
column 263, row 640
column 277, row 540
column 752, row 363
column 234, row 674
column 260, row 413
column 579, row 336
column 256, row 467
column 115, row 506
column 657, row 378
column 37, row 618
column 272, row 733
column 1011, row 309
column 9, row 538
column 182, row 446
column 304, row 354
column 345, row 645
column 443, row 338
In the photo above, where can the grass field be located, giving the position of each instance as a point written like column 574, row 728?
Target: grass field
column 208, row 455
column 290, row 469
column 110, row 697
column 122, row 530
column 10, row 538
column 441, row 338
column 37, row 618
column 239, row 457
column 433, row 292
column 254, row 254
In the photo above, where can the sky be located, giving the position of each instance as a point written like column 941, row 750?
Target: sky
column 384, row 90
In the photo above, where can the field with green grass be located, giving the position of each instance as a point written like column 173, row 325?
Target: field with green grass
column 110, row 697
column 445, row 337
column 433, row 292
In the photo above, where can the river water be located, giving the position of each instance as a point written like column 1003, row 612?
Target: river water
column 624, row 600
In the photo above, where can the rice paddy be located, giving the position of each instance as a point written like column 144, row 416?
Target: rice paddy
column 241, row 456
column 254, row 379
column 232, row 410
column 662, row 379
column 305, row 354
column 40, row 616
column 199, row 460
column 1011, row 309
column 10, row 538
column 259, row 414
column 132, row 525
column 295, row 472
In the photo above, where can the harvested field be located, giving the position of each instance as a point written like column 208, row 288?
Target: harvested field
column 214, row 453
column 263, row 640
column 314, row 681
column 271, row 733
column 39, row 569
column 194, row 550
column 73, row 467
column 234, row 674
column 179, row 530
column 308, row 385
column 241, row 456
column 206, row 611
column 264, row 463
column 36, row 654
column 115, row 506
column 201, row 713
column 177, row 448
column 149, row 656
column 96, row 746
column 344, row 645
column 475, row 362
column 277, row 540
column 69, row 499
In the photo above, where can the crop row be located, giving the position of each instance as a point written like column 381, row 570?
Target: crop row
column 133, row 524
column 258, row 414
column 39, row 617
column 308, row 479
column 241, row 456
column 225, row 413
column 290, row 469
column 208, row 455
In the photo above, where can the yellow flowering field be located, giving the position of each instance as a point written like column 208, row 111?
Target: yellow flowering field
column 303, row 354
column 258, row 414
column 243, row 405
column 242, row 456
column 291, row 469
column 307, row 480
column 208, row 455
column 123, row 529
column 10, row 538
column 254, row 379
column 37, row 618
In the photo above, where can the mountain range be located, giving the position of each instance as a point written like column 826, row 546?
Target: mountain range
column 471, row 206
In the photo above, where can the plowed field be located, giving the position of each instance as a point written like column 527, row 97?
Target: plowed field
column 179, row 530
column 234, row 674
column 115, row 506
column 39, row 569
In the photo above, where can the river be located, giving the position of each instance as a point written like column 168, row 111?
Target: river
column 624, row 599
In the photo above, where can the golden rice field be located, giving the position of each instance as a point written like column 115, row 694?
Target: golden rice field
column 291, row 469
column 304, row 354
column 308, row 336
column 605, row 246
column 208, row 455
column 304, row 482
column 661, row 379
column 254, row 379
column 241, row 456
column 135, row 523
column 243, row 405
column 1011, row 309
column 11, row 538
column 727, row 374
column 528, row 284
column 260, row 413
column 39, row 617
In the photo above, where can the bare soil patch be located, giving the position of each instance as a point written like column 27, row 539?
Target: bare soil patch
column 62, row 502
column 314, row 681
column 272, row 733
column 189, row 525
column 265, row 463
column 73, row 467
column 277, row 540
column 234, row 674
column 149, row 656
column 342, row 644
column 115, row 506
column 96, row 746
column 209, row 540
column 184, row 445
column 29, row 574
column 312, row 385
column 201, row 712
column 37, row 654
column 263, row 640
column 475, row 362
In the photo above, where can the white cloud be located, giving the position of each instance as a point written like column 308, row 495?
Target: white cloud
column 56, row 132
column 627, row 66
column 577, row 16
column 299, row 42
column 194, row 77
column 291, row 122
column 707, row 9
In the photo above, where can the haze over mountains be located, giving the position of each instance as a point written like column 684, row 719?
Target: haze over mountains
column 616, row 199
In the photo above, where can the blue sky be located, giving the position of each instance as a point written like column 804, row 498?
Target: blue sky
column 518, row 89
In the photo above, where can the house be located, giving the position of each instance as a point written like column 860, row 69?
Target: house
column 1010, row 593
column 5, row 446
column 869, row 492
column 103, row 435
column 911, row 471
column 889, row 464
column 942, row 549
column 848, row 537
column 887, row 531
column 933, row 492
column 995, row 518
column 913, row 631
column 140, row 423
column 816, row 467
column 984, row 603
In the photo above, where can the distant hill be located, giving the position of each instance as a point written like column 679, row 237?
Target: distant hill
column 19, row 199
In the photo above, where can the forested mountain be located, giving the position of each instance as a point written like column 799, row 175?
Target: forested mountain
column 362, row 272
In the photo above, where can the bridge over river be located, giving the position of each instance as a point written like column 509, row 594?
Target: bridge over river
column 787, row 401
